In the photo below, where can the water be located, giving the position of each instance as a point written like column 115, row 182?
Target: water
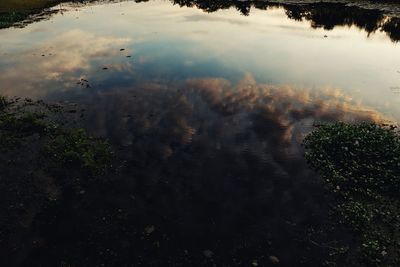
column 208, row 111
column 169, row 44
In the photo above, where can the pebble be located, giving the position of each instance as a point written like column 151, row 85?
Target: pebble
column 273, row 259
column 208, row 253
column 149, row 229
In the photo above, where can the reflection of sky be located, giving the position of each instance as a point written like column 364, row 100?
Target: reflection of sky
column 210, row 165
column 122, row 114
column 167, row 43
column 219, row 164
column 209, row 133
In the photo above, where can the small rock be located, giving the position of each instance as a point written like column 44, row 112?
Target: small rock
column 208, row 253
column 122, row 49
column 254, row 263
column 149, row 229
column 325, row 36
column 273, row 259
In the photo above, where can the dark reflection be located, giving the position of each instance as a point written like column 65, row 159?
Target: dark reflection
column 209, row 173
column 392, row 28
column 321, row 15
column 329, row 15
column 21, row 19
column 39, row 10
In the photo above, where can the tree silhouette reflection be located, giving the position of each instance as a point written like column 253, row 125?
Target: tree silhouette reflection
column 320, row 15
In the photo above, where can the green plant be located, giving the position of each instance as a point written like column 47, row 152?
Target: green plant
column 360, row 164
column 75, row 148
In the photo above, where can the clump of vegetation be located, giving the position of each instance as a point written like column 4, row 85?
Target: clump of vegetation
column 14, row 130
column 24, row 123
column 75, row 149
column 360, row 165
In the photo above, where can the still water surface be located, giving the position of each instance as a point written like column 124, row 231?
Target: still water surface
column 164, row 43
column 210, row 110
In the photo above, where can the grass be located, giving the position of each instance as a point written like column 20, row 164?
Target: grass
column 360, row 165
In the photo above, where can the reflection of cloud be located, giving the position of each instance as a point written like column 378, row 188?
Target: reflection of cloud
column 198, row 18
column 270, row 121
column 212, row 165
column 324, row 15
column 278, row 114
column 275, row 113
column 64, row 62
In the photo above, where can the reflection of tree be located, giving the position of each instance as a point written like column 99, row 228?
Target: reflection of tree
column 392, row 28
column 321, row 15
column 324, row 15
column 330, row 15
